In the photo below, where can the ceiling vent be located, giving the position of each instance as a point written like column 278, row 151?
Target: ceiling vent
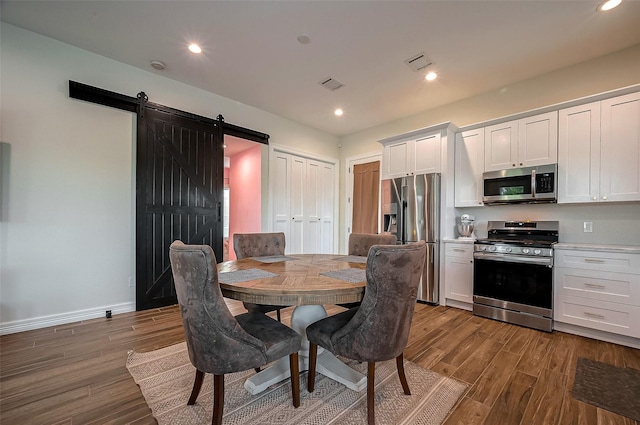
column 331, row 84
column 418, row 62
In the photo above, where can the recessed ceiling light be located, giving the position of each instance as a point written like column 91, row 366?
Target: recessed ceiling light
column 431, row 76
column 157, row 65
column 338, row 112
column 608, row 5
column 304, row 39
column 194, row 48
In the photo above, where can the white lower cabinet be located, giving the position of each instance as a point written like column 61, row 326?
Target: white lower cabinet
column 458, row 274
column 598, row 290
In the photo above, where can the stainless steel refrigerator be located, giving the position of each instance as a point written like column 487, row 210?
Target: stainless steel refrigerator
column 411, row 211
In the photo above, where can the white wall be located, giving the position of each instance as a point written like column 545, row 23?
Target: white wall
column 67, row 220
column 613, row 223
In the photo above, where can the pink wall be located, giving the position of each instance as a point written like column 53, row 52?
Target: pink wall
column 244, row 194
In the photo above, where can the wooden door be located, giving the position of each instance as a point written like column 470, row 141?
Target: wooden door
column 179, row 192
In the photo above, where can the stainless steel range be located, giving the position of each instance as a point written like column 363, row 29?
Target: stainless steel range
column 513, row 273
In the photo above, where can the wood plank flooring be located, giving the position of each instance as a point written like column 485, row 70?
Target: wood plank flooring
column 75, row 374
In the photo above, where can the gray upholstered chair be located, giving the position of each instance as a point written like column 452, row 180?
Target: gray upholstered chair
column 378, row 330
column 359, row 244
column 247, row 245
column 218, row 342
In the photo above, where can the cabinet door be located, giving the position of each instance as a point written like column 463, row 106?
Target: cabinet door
column 501, row 146
column 295, row 238
column 458, row 276
column 620, row 151
column 327, row 195
column 538, row 140
column 312, row 207
column 426, row 157
column 396, row 159
column 579, row 153
column 468, row 168
column 281, row 176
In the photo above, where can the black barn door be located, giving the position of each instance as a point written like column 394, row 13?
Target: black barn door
column 179, row 195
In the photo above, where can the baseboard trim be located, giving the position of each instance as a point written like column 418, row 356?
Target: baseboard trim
column 63, row 318
column 597, row 334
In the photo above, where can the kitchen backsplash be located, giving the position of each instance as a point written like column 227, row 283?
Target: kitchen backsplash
column 612, row 224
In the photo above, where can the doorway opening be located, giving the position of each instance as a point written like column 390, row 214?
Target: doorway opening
column 242, row 210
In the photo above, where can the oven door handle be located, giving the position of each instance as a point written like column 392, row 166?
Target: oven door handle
column 543, row 261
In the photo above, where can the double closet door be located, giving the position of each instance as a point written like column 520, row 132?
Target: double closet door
column 303, row 202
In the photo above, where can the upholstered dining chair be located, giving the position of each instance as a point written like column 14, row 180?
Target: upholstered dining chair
column 379, row 329
column 259, row 245
column 359, row 244
column 218, row 342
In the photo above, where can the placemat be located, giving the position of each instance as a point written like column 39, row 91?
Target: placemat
column 244, row 275
column 274, row 258
column 351, row 275
column 352, row 259
column 609, row 387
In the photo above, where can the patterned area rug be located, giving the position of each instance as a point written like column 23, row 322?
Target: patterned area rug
column 165, row 377
column 610, row 387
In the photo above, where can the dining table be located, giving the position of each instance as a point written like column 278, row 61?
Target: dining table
column 308, row 282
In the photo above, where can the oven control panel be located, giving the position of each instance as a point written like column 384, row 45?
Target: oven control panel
column 514, row 250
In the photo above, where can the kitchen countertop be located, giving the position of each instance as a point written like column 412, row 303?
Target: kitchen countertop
column 630, row 249
column 456, row 240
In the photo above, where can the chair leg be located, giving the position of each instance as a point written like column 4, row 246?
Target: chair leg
column 371, row 377
column 278, row 315
column 197, row 384
column 295, row 379
column 313, row 356
column 257, row 369
column 403, row 378
column 218, row 399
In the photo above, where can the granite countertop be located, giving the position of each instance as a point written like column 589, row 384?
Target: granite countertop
column 630, row 249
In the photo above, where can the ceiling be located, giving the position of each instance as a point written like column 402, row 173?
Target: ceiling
column 251, row 53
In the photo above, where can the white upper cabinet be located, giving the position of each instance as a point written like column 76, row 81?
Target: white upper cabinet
column 523, row 143
column 469, row 166
column 395, row 159
column 620, row 149
column 501, row 146
column 579, row 153
column 599, row 151
column 426, row 158
column 419, row 155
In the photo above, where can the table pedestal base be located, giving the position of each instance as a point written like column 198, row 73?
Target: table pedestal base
column 327, row 364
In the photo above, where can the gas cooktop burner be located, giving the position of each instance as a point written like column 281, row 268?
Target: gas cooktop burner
column 519, row 238
column 525, row 242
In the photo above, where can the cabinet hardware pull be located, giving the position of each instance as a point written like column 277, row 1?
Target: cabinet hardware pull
column 595, row 316
column 593, row 285
column 594, row 260
column 459, row 250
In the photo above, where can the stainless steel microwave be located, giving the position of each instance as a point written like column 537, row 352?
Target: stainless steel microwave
column 521, row 185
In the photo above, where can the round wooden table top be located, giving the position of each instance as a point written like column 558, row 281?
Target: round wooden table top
column 299, row 281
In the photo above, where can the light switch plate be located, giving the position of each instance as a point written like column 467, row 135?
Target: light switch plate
column 588, row 226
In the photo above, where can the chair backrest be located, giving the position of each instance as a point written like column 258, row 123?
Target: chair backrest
column 380, row 328
column 215, row 341
column 360, row 243
column 258, row 244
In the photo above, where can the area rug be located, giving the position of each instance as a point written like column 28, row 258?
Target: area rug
column 166, row 376
column 613, row 388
